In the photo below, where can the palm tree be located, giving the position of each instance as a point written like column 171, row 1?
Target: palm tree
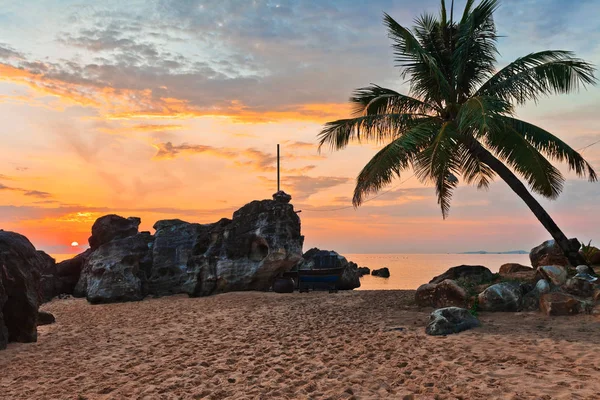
column 459, row 118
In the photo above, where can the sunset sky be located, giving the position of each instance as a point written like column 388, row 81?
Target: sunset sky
column 173, row 108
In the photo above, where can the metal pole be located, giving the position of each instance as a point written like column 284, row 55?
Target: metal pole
column 278, row 167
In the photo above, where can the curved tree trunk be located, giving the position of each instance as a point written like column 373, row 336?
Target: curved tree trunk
column 569, row 247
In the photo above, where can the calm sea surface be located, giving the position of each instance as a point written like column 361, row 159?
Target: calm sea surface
column 409, row 271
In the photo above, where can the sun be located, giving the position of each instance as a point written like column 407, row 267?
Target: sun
column 74, row 244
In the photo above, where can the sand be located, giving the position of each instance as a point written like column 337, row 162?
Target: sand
column 297, row 346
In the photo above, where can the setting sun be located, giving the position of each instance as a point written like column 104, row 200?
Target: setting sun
column 74, row 244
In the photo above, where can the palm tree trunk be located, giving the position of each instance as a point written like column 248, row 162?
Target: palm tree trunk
column 569, row 247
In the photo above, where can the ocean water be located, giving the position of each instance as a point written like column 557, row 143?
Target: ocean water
column 409, row 271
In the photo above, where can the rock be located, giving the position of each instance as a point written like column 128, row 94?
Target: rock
column 284, row 285
column 282, row 197
column 116, row 271
column 350, row 278
column 558, row 303
column 68, row 273
column 503, row 296
column 248, row 252
column 381, row 272
column 549, row 253
column 531, row 299
column 555, row 274
column 45, row 318
column 450, row 320
column 48, row 288
column 364, row 271
column 579, row 287
column 174, row 241
column 584, row 269
column 473, row 273
column 316, row 258
column 111, row 227
column 511, row 268
column 595, row 258
column 20, row 266
column 444, row 294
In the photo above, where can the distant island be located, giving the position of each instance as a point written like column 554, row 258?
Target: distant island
column 496, row 252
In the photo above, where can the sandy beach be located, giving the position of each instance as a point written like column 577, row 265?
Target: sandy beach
column 256, row 345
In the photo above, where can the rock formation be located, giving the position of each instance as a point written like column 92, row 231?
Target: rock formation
column 20, row 291
column 112, row 227
column 549, row 253
column 444, row 294
column 381, row 272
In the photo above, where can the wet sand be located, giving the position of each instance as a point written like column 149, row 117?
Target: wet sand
column 297, row 346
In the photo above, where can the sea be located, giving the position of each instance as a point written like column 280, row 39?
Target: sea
column 409, row 271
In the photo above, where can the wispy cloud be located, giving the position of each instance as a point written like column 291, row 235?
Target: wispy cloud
column 30, row 193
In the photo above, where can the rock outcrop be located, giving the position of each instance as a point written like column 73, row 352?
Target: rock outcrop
column 473, row 273
column 246, row 253
column 111, row 227
column 68, row 273
column 20, row 292
column 116, row 271
column 446, row 321
column 444, row 294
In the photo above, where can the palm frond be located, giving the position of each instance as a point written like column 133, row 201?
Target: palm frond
column 475, row 53
column 478, row 115
column 513, row 149
column 473, row 170
column 438, row 161
column 392, row 159
column 539, row 74
column 370, row 128
column 374, row 99
column 426, row 77
column 552, row 147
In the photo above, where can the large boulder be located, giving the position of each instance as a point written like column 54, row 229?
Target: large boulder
column 450, row 320
column 112, row 227
column 559, row 303
column 116, row 271
column 48, row 286
column 20, row 292
column 174, row 241
column 474, row 273
column 503, row 296
column 549, row 253
column 248, row 252
column 531, row 299
column 512, row 268
column 444, row 294
column 555, row 274
column 364, row 271
column 350, row 279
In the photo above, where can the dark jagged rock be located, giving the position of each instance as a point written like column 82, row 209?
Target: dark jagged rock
column 116, row 271
column 350, row 278
column 45, row 318
column 174, row 242
column 68, row 273
column 48, row 285
column 444, row 294
column 20, row 266
column 3, row 329
column 364, row 271
column 503, row 296
column 474, row 273
column 248, row 252
column 549, row 253
column 381, row 272
column 446, row 321
column 112, row 227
